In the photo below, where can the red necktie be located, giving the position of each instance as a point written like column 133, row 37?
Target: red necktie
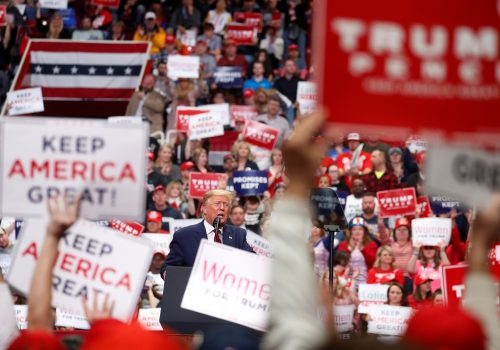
column 216, row 237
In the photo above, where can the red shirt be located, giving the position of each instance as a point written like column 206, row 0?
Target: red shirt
column 369, row 252
column 377, row 275
column 239, row 61
column 418, row 305
column 344, row 163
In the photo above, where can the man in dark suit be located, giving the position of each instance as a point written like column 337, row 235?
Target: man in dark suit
column 186, row 241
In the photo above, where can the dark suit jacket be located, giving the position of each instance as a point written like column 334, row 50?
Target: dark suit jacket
column 186, row 241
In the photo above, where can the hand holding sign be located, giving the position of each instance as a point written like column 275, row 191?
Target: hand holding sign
column 62, row 214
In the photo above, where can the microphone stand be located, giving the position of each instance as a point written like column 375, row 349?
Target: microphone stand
column 332, row 230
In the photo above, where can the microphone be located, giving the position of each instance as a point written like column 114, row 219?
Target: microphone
column 216, row 223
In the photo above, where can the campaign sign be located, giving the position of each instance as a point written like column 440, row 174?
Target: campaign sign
column 242, row 113
column 431, row 231
column 176, row 224
column 180, row 66
column 342, row 196
column 325, row 201
column 250, row 182
column 399, row 202
column 307, row 96
column 54, row 4
column 183, row 113
column 205, row 125
column 343, row 315
column 25, row 101
column 241, row 34
column 187, row 37
column 91, row 258
column 72, row 156
column 3, row 15
column 228, row 77
column 370, row 294
column 388, row 319
column 68, row 319
column 150, row 319
column 21, row 312
column 423, row 207
column 223, row 285
column 200, row 183
column 398, row 73
column 259, row 244
column 260, row 134
column 114, row 4
column 128, row 227
column 161, row 241
column 253, row 19
column 443, row 205
column 469, row 175
column 222, row 108
column 416, row 144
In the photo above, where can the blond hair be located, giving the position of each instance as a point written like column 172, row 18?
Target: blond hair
column 380, row 250
column 214, row 193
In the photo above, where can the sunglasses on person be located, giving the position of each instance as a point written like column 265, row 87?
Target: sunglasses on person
column 428, row 247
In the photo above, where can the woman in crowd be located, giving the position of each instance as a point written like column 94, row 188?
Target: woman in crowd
column 200, row 160
column 260, row 98
column 263, row 57
column 275, row 171
column 55, row 28
column 243, row 157
column 396, row 295
column 361, row 247
column 165, row 165
column 219, row 17
column 177, row 199
column 427, row 260
column 383, row 270
column 337, row 183
column 422, row 296
column 324, row 181
column 321, row 254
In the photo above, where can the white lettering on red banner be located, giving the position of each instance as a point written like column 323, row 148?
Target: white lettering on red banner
column 200, row 183
column 260, row 134
column 397, row 202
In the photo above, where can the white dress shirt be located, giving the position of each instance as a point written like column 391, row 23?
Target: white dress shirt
column 211, row 231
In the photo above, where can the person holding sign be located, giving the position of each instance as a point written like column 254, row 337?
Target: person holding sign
column 215, row 210
column 396, row 295
column 427, row 260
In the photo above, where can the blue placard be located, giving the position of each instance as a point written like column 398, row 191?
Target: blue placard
column 326, row 202
column 250, row 183
column 228, row 77
column 443, row 205
column 342, row 196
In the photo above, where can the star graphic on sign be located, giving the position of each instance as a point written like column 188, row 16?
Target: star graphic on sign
column 128, row 70
column 38, row 69
column 110, row 71
column 74, row 70
column 56, row 70
column 92, row 70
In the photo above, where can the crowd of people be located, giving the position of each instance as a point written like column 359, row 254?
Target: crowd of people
column 367, row 249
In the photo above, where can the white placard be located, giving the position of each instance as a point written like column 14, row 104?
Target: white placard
column 370, row 294
column 205, row 125
column 388, row 319
column 355, row 155
column 25, row 101
column 259, row 244
column 161, row 241
column 71, row 320
column 176, row 224
column 307, row 96
column 222, row 108
column 431, row 231
column 416, row 144
column 343, row 316
column 188, row 37
column 125, row 120
column 54, row 4
column 150, row 319
column 103, row 162
column 21, row 312
column 468, row 175
column 223, row 285
column 91, row 257
column 183, row 67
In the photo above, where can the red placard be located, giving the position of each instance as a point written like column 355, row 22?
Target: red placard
column 260, row 134
column 396, row 67
column 398, row 202
column 114, row 4
column 182, row 115
column 129, row 227
column 241, row 34
column 242, row 113
column 424, row 207
column 252, row 19
column 200, row 183
column 3, row 15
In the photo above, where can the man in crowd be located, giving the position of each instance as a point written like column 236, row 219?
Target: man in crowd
column 274, row 119
column 161, row 205
column 86, row 32
column 154, row 222
column 213, row 41
column 184, row 246
column 237, row 216
column 231, row 58
column 257, row 80
column 354, row 201
column 347, row 167
column 287, row 86
column 369, row 208
column 161, row 78
column 151, row 32
column 381, row 178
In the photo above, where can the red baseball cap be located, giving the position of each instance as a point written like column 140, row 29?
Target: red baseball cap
column 402, row 222
column 326, row 162
column 159, row 188
column 187, row 165
column 151, row 156
column 293, row 47
column 154, row 216
column 421, row 278
column 170, row 39
column 247, row 93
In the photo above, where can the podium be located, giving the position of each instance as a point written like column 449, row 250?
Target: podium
column 180, row 320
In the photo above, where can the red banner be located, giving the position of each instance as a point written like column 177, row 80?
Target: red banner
column 182, row 115
column 128, row 227
column 3, row 15
column 114, row 4
column 242, row 113
column 200, row 183
column 399, row 67
column 398, row 202
column 424, row 207
column 241, row 34
column 260, row 134
column 252, row 19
